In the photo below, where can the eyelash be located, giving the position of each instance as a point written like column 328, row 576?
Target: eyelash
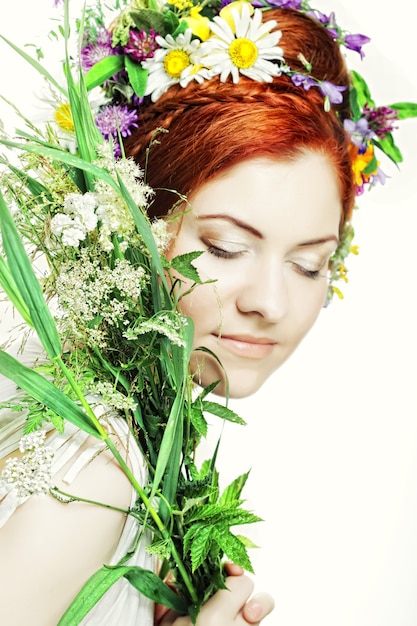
column 220, row 253
column 313, row 274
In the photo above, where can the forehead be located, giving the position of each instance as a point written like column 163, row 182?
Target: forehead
column 300, row 196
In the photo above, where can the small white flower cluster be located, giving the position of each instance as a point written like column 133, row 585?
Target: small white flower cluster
column 169, row 325
column 161, row 235
column 104, row 206
column 86, row 289
column 113, row 398
column 32, row 474
column 78, row 219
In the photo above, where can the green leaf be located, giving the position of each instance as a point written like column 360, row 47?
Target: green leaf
column 361, row 91
column 27, row 284
column 46, row 393
column 405, row 109
column 389, row 148
column 151, row 586
column 103, row 70
column 198, row 421
column 145, row 581
column 200, row 546
column 233, row 491
column 371, row 167
column 138, row 76
column 234, row 549
column 147, row 19
column 222, row 411
column 183, row 265
column 171, row 23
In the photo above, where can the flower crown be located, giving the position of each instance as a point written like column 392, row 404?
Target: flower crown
column 150, row 47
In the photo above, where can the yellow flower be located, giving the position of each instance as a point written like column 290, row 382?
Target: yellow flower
column 63, row 118
column 337, row 291
column 226, row 12
column 181, row 4
column 199, row 24
column 360, row 162
column 354, row 249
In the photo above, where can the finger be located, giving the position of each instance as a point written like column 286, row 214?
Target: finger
column 232, row 569
column 258, row 607
column 238, row 592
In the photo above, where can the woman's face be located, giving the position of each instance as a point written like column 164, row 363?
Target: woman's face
column 267, row 230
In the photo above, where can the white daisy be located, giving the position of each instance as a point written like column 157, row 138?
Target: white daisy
column 245, row 48
column 176, row 61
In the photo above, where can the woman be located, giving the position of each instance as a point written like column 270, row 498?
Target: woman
column 287, row 157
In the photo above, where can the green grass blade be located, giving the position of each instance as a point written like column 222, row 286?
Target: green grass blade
column 10, row 289
column 46, row 393
column 26, row 282
column 38, row 67
column 145, row 581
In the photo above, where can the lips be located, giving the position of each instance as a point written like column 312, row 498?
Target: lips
column 246, row 346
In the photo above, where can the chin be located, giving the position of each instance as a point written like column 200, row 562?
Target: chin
column 237, row 384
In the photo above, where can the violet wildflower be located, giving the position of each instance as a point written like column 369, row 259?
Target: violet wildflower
column 141, row 45
column 97, row 49
column 280, row 4
column 332, row 92
column 355, row 42
column 359, row 131
column 302, row 80
column 380, row 119
column 116, row 119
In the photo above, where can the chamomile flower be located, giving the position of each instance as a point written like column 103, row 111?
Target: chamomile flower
column 176, row 61
column 243, row 45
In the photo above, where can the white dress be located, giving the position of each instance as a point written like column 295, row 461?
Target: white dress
column 121, row 604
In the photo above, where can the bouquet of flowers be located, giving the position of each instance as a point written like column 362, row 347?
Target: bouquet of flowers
column 107, row 315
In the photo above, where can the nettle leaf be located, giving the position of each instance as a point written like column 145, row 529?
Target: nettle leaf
column 222, row 411
column 233, row 547
column 198, row 421
column 200, row 546
column 183, row 265
column 404, row 109
column 233, row 491
column 147, row 19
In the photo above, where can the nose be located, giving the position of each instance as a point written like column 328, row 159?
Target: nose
column 264, row 292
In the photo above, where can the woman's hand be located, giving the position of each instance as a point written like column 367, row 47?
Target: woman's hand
column 233, row 606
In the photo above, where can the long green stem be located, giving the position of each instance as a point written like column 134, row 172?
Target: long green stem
column 104, row 435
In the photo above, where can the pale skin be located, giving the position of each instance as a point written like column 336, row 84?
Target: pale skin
column 267, row 230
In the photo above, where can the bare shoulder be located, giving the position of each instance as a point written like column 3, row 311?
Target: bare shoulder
column 49, row 549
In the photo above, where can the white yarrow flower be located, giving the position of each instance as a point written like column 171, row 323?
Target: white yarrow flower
column 32, row 474
column 248, row 48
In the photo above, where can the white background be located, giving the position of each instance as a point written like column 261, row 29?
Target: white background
column 332, row 437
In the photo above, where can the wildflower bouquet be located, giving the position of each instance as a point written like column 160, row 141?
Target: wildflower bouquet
column 107, row 315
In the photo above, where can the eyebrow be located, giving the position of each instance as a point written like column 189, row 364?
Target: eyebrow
column 234, row 221
column 256, row 233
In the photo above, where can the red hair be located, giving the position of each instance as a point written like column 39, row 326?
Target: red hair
column 215, row 125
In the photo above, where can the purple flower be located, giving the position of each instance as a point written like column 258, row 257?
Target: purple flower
column 380, row 119
column 302, row 80
column 280, row 4
column 359, row 131
column 332, row 92
column 97, row 49
column 141, row 45
column 355, row 42
column 115, row 119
